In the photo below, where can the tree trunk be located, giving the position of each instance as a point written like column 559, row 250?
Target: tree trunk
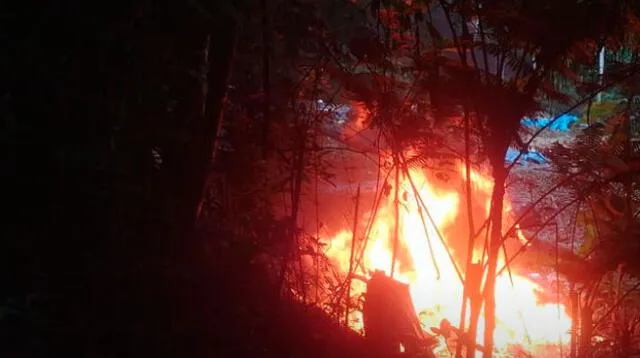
column 187, row 170
column 586, row 332
column 575, row 319
column 473, row 284
column 495, row 241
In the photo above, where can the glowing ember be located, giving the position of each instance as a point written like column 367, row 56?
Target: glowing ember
column 437, row 292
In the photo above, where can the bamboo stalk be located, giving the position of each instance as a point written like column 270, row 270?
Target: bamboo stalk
column 396, row 232
column 372, row 218
column 426, row 234
column 211, row 111
column 471, row 239
column 296, row 192
column 557, row 259
column 318, row 246
column 440, row 236
column 266, row 78
column 352, row 254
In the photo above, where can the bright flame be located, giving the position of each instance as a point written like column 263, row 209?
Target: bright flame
column 437, row 292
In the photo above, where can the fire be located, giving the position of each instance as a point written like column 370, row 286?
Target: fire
column 422, row 261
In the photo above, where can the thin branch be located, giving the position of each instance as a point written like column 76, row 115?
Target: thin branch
column 454, row 34
column 483, row 42
column 376, row 203
column 520, row 68
column 539, row 200
column 440, row 236
column 466, row 33
column 529, row 240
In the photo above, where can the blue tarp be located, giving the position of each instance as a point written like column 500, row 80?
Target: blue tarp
column 561, row 124
column 525, row 158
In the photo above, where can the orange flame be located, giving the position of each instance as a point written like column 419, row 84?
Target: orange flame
column 437, row 292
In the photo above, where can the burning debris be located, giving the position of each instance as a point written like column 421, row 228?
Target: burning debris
column 429, row 232
column 391, row 325
column 390, row 321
